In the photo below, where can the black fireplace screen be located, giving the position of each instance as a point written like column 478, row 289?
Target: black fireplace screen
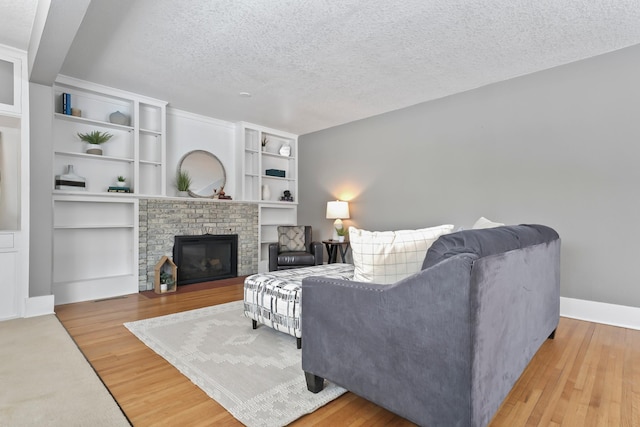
column 205, row 258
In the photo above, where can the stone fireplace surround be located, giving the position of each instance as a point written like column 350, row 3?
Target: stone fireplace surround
column 162, row 219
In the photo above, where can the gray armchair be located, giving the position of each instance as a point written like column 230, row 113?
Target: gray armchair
column 294, row 249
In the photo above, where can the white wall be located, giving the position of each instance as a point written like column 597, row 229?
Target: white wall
column 559, row 147
column 187, row 132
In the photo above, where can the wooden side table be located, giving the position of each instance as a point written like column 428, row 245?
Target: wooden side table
column 332, row 249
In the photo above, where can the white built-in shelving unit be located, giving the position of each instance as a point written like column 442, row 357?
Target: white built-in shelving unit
column 255, row 161
column 95, row 246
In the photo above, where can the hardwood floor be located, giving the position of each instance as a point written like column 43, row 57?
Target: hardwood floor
column 589, row 375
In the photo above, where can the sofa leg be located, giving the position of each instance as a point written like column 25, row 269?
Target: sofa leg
column 553, row 334
column 315, row 384
column 298, row 343
column 254, row 324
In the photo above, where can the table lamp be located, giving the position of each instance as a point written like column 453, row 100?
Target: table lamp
column 337, row 210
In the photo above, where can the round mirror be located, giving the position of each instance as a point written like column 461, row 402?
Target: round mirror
column 206, row 171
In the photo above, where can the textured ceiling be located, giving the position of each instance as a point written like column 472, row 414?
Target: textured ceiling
column 313, row 64
column 16, row 21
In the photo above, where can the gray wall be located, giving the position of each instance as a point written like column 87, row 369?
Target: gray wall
column 41, row 170
column 559, row 147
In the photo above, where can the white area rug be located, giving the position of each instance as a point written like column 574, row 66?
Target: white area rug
column 255, row 374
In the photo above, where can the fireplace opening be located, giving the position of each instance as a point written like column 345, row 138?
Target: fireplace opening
column 205, row 258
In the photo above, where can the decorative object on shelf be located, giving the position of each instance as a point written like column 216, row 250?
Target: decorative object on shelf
column 76, row 112
column 70, row 181
column 119, row 118
column 118, row 189
column 337, row 210
column 94, row 139
column 207, row 173
column 342, row 232
column 264, row 142
column 66, row 103
column 165, row 276
column 183, row 182
column 222, row 195
column 275, row 172
column 121, row 181
column 286, row 196
column 285, row 149
column 266, row 192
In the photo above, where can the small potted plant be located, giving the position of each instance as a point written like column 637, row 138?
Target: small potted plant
column 183, row 182
column 342, row 232
column 121, row 182
column 166, row 281
column 264, row 142
column 94, row 139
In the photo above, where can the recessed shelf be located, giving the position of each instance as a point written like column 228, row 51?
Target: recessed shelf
column 91, row 226
column 150, row 132
column 91, row 193
column 276, row 155
column 93, row 156
column 277, row 178
column 149, row 162
column 93, row 122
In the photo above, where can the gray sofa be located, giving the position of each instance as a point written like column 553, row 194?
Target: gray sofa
column 444, row 346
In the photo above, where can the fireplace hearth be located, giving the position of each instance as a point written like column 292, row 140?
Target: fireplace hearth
column 206, row 257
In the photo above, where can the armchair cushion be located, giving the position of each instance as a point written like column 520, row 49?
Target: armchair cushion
column 296, row 259
column 291, row 238
column 294, row 248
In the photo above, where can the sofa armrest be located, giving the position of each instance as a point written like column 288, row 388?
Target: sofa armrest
column 273, row 256
column 318, row 252
column 413, row 336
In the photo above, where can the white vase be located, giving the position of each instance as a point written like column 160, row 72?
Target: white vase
column 266, row 192
column 341, row 239
column 183, row 194
column 94, row 149
column 121, row 184
column 119, row 118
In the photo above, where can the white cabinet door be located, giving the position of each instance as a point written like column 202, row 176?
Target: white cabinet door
column 10, row 93
column 8, row 285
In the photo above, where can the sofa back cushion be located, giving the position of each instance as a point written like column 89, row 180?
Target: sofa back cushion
column 489, row 241
column 388, row 256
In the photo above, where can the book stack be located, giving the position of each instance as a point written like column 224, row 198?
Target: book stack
column 275, row 172
column 119, row 190
column 66, row 103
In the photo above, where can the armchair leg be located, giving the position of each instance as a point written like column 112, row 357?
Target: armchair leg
column 315, row 384
column 298, row 343
column 254, row 324
column 553, row 334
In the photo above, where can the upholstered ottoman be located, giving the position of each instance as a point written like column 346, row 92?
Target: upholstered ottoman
column 273, row 298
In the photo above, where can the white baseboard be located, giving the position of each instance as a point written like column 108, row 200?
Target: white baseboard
column 600, row 312
column 38, row 306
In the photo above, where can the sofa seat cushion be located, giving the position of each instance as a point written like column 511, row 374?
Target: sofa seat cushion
column 488, row 241
column 386, row 257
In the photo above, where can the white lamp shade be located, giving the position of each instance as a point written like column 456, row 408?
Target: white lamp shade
column 337, row 210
